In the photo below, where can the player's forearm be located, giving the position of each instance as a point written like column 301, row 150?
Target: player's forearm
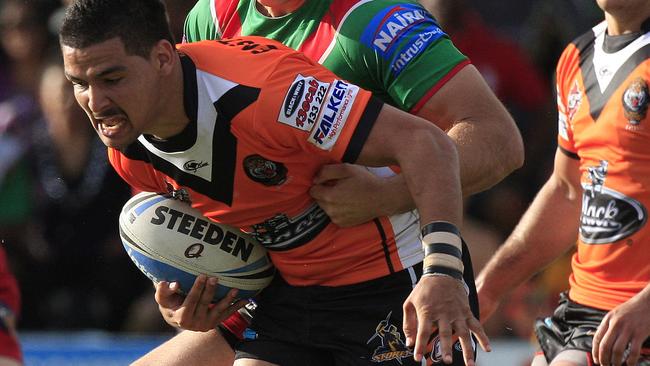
column 485, row 157
column 434, row 185
column 428, row 160
column 548, row 228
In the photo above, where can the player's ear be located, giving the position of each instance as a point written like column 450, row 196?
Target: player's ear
column 164, row 56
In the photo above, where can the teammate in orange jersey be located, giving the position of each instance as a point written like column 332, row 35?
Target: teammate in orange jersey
column 600, row 188
column 239, row 127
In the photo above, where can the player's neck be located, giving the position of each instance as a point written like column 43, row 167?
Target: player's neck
column 278, row 8
column 625, row 23
column 172, row 108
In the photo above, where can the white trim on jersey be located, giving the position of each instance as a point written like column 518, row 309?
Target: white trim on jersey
column 607, row 64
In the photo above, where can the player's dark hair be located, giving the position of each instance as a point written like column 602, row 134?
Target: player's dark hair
column 139, row 24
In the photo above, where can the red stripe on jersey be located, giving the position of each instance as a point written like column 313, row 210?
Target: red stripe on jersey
column 318, row 41
column 227, row 10
column 435, row 88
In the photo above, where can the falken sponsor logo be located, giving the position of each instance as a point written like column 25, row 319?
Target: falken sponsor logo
column 303, row 102
column 607, row 215
column 414, row 48
column 389, row 27
column 339, row 102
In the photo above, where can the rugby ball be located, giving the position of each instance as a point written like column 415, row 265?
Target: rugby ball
column 168, row 240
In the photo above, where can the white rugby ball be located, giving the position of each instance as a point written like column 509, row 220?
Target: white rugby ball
column 168, row 240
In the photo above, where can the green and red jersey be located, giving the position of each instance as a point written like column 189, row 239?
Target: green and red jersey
column 393, row 48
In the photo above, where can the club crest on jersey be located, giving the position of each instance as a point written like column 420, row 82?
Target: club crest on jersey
column 336, row 109
column 267, row 172
column 607, row 215
column 635, row 101
column 391, row 346
column 574, row 100
column 303, row 102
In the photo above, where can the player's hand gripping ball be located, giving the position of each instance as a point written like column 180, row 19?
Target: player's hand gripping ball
column 168, row 240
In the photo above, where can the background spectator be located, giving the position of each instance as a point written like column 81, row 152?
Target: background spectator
column 73, row 227
column 59, row 199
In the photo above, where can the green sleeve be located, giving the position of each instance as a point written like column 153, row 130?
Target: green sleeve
column 400, row 49
column 200, row 24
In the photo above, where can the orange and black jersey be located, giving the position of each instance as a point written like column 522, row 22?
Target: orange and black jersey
column 264, row 119
column 603, row 99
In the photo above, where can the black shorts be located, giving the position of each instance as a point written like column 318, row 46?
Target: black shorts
column 572, row 327
column 359, row 324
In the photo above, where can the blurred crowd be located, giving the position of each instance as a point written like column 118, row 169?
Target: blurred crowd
column 60, row 200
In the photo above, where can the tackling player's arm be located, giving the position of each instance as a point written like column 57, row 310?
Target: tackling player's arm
column 488, row 142
column 438, row 84
column 547, row 229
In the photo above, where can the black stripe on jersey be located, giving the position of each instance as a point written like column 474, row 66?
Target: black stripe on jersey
column 598, row 99
column 190, row 93
column 384, row 244
column 569, row 154
column 224, row 146
column 180, row 142
column 219, row 190
column 362, row 131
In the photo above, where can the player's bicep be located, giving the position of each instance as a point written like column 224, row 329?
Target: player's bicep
column 465, row 97
column 401, row 49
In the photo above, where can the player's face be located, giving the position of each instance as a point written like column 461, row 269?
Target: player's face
column 119, row 92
